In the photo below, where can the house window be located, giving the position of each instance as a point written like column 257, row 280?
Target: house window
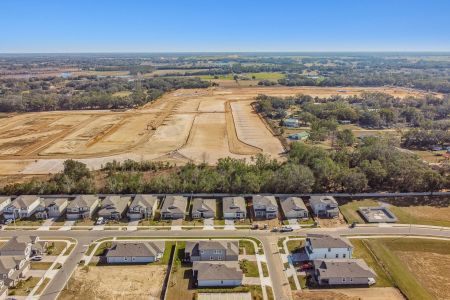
column 344, row 255
column 329, row 249
column 325, row 256
column 201, row 251
column 337, row 255
column 211, row 258
column 343, row 279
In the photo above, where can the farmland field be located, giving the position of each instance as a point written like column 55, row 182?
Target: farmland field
column 199, row 125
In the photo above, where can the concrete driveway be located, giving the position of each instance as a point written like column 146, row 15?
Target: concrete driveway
column 132, row 225
column 208, row 224
column 67, row 226
column 294, row 224
column 47, row 223
column 229, row 225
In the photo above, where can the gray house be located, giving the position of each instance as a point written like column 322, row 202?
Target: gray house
column 51, row 208
column 234, row 208
column 203, row 208
column 82, row 207
column 143, row 206
column 343, row 272
column 139, row 252
column 4, row 202
column 23, row 206
column 174, row 207
column 265, row 207
column 324, row 206
column 217, row 274
column 294, row 208
column 114, row 207
column 211, row 251
column 13, row 269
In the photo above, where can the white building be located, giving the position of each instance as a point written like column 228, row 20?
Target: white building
column 324, row 206
column 321, row 246
column 22, row 207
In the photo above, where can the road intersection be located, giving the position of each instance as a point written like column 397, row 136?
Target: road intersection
column 268, row 239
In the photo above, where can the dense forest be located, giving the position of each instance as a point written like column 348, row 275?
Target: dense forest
column 374, row 165
column 54, row 93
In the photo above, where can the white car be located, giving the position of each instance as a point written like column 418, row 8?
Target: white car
column 372, row 281
column 100, row 221
column 36, row 258
column 8, row 221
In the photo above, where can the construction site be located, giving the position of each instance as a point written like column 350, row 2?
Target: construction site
column 198, row 125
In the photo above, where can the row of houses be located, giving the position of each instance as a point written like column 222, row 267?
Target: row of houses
column 173, row 207
column 15, row 260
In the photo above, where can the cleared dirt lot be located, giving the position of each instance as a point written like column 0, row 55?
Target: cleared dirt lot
column 115, row 282
column 351, row 294
column 185, row 125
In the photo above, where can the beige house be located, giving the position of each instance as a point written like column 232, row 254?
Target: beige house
column 143, row 206
column 114, row 207
column 82, row 207
column 51, row 208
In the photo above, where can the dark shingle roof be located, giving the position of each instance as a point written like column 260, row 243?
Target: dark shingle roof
column 339, row 268
column 143, row 249
column 234, row 204
column 327, row 241
column 232, row 247
column 224, row 270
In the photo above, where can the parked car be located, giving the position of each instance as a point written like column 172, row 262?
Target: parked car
column 8, row 221
column 372, row 281
column 36, row 258
column 100, row 221
column 306, row 266
column 286, row 229
column 254, row 226
column 275, row 229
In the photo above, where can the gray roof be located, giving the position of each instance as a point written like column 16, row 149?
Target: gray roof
column 234, row 204
column 200, row 204
column 327, row 241
column 17, row 243
column 232, row 247
column 265, row 200
column 83, row 201
column 217, row 270
column 9, row 262
column 314, row 200
column 4, row 198
column 147, row 201
column 114, row 204
column 24, row 201
column 339, row 268
column 292, row 203
column 47, row 202
column 174, row 204
column 137, row 249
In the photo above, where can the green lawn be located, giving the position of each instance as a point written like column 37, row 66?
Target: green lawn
column 24, row 287
column 294, row 245
column 43, row 286
column 248, row 246
column 406, row 281
column 102, row 248
column 55, row 248
column 250, row 268
column 38, row 265
column 269, row 292
column 292, row 283
column 350, row 210
column 265, row 269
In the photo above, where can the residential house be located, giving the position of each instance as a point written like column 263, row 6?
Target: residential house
column 82, row 207
column 143, row 206
column 114, row 207
column 3, row 290
column 217, row 274
column 234, row 208
column 294, row 208
column 23, row 246
column 13, row 269
column 290, row 122
column 322, row 246
column 4, row 202
column 211, row 251
column 51, row 208
column 22, row 207
column 174, row 207
column 265, row 207
column 324, row 206
column 138, row 252
column 343, row 272
column 203, row 208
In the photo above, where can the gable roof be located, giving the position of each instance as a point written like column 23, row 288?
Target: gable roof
column 47, row 202
column 9, row 262
column 17, row 243
column 138, row 249
column 113, row 204
column 267, row 201
column 232, row 247
column 83, row 201
column 223, row 270
column 24, row 201
column 233, row 204
column 4, row 199
column 327, row 241
column 292, row 203
column 147, row 201
column 200, row 204
column 174, row 204
column 340, row 268
column 314, row 200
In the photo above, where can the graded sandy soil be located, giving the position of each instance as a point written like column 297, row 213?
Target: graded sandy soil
column 116, row 282
column 373, row 293
column 199, row 125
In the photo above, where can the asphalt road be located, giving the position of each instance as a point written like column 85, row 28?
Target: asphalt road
column 268, row 240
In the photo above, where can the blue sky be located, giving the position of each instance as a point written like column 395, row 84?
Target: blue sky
column 194, row 25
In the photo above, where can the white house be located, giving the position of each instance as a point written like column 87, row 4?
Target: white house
column 294, row 208
column 139, row 252
column 265, row 207
column 322, row 246
column 234, row 208
column 51, row 208
column 4, row 202
column 22, row 207
column 324, row 206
